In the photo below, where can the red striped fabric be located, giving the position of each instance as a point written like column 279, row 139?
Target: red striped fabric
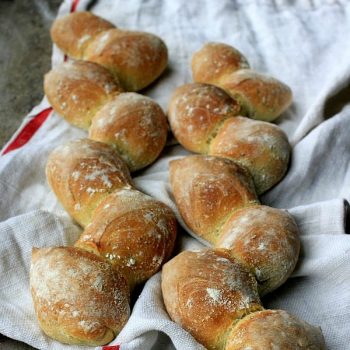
column 28, row 131
column 33, row 124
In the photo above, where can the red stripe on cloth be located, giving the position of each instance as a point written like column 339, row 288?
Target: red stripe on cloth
column 34, row 124
column 111, row 347
column 74, row 5
column 28, row 131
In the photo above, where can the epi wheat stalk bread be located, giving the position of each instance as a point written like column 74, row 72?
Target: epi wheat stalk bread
column 262, row 97
column 81, row 294
column 204, row 119
column 88, row 96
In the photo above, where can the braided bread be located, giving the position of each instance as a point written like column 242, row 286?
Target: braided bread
column 261, row 97
column 128, row 236
column 204, row 120
column 135, row 59
column 87, row 96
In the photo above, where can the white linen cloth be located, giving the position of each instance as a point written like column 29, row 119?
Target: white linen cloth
column 303, row 43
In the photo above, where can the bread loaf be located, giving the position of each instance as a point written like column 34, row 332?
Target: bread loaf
column 217, row 201
column 81, row 293
column 77, row 90
column 215, row 298
column 136, row 59
column 78, row 297
column 204, row 291
column 261, row 97
column 87, row 96
column 204, row 120
column 122, row 224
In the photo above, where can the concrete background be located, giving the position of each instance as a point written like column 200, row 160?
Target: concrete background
column 25, row 55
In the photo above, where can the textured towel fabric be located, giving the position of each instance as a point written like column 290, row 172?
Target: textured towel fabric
column 303, row 43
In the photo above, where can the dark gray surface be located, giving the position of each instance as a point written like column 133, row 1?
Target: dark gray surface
column 25, row 55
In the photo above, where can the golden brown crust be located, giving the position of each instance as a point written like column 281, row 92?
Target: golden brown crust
column 274, row 329
column 82, row 173
column 263, row 97
column 266, row 240
column 78, row 298
column 204, row 119
column 207, row 190
column 135, row 58
column 206, row 291
column 72, row 33
column 77, row 90
column 135, row 125
column 195, row 113
column 261, row 147
column 134, row 232
column 214, row 60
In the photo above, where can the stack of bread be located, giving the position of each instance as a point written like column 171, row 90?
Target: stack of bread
column 81, row 294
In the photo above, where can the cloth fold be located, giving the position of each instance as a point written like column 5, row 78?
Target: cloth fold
column 303, row 44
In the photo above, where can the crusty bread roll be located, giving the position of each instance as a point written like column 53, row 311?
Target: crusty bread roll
column 196, row 112
column 206, row 291
column 135, row 232
column 128, row 228
column 206, row 189
column 87, row 96
column 204, row 119
column 264, row 239
column 274, row 329
column 84, row 172
column 136, row 59
column 217, row 201
column 215, row 60
column 72, row 33
column 77, row 90
column 262, row 97
column 134, row 125
column 212, row 296
column 78, row 297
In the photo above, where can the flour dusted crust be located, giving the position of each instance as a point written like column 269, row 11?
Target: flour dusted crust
column 77, row 90
column 84, row 172
column 261, row 96
column 215, row 298
column 124, row 226
column 72, row 33
column 134, row 125
column 216, row 199
column 274, row 329
column 261, row 147
column 78, row 297
column 207, row 189
column 133, row 231
column 205, row 120
column 264, row 239
column 206, row 291
column 196, row 112
column 134, row 58
column 215, row 60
